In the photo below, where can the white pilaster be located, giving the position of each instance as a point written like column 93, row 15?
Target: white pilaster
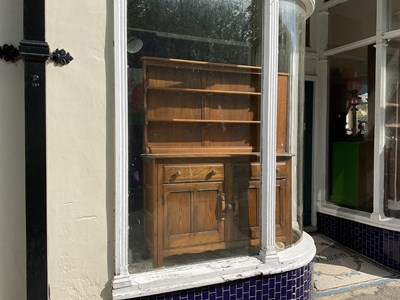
column 121, row 142
column 268, row 127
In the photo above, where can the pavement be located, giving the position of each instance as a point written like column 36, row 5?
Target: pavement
column 385, row 291
column 340, row 273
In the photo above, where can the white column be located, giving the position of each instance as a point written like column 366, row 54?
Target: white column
column 268, row 127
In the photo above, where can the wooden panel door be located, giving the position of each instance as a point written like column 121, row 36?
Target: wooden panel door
column 193, row 215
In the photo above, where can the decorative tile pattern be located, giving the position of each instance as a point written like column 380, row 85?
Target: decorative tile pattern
column 381, row 245
column 292, row 285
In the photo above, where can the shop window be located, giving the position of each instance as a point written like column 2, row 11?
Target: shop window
column 392, row 127
column 194, row 96
column 351, row 21
column 195, row 185
column 351, row 128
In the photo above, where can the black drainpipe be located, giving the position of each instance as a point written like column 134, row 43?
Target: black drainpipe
column 35, row 52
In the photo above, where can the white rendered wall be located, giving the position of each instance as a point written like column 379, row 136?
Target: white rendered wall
column 80, row 143
column 12, row 160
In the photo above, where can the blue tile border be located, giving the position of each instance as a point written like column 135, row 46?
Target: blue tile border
column 293, row 285
column 378, row 244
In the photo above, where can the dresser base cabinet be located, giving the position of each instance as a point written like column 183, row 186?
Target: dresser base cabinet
column 199, row 204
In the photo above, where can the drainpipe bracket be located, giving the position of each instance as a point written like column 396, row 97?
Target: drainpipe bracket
column 34, row 51
column 9, row 53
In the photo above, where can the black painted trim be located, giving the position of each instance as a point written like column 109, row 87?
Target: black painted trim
column 35, row 52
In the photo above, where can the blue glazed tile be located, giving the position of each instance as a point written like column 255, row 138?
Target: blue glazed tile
column 259, row 285
column 259, row 295
column 197, row 297
column 246, row 287
column 252, row 281
column 252, row 290
column 265, row 289
column 239, row 293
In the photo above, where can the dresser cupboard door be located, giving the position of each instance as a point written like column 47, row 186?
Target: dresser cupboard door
column 194, row 214
column 283, row 213
column 245, row 207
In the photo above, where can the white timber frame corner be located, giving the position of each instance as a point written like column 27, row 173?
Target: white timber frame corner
column 320, row 182
column 158, row 281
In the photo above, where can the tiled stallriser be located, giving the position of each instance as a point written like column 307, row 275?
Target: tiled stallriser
column 381, row 245
column 292, row 285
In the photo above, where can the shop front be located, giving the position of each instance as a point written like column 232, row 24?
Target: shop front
column 163, row 150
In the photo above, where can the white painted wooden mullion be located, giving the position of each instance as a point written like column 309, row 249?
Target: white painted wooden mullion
column 380, row 95
column 121, row 140
column 268, row 127
column 320, row 142
column 391, row 34
column 331, row 4
column 351, row 46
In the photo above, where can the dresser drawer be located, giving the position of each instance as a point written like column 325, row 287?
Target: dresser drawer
column 246, row 171
column 255, row 170
column 193, row 172
column 281, row 171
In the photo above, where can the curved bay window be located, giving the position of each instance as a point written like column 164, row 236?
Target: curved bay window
column 291, row 61
column 194, row 97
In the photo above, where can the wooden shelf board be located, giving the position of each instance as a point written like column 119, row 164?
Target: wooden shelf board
column 205, row 121
column 201, row 150
column 187, row 90
column 201, row 65
column 392, row 104
column 392, row 125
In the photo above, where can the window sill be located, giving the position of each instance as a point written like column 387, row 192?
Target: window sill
column 213, row 272
column 372, row 219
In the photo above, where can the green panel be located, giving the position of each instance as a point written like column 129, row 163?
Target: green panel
column 345, row 173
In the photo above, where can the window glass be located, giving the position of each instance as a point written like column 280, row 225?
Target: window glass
column 194, row 125
column 351, row 128
column 194, row 129
column 394, row 14
column 351, row 21
column 292, row 32
column 392, row 127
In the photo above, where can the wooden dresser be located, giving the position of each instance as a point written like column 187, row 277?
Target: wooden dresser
column 201, row 161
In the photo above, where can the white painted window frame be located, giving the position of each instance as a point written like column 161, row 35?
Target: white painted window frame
column 377, row 218
column 158, row 281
